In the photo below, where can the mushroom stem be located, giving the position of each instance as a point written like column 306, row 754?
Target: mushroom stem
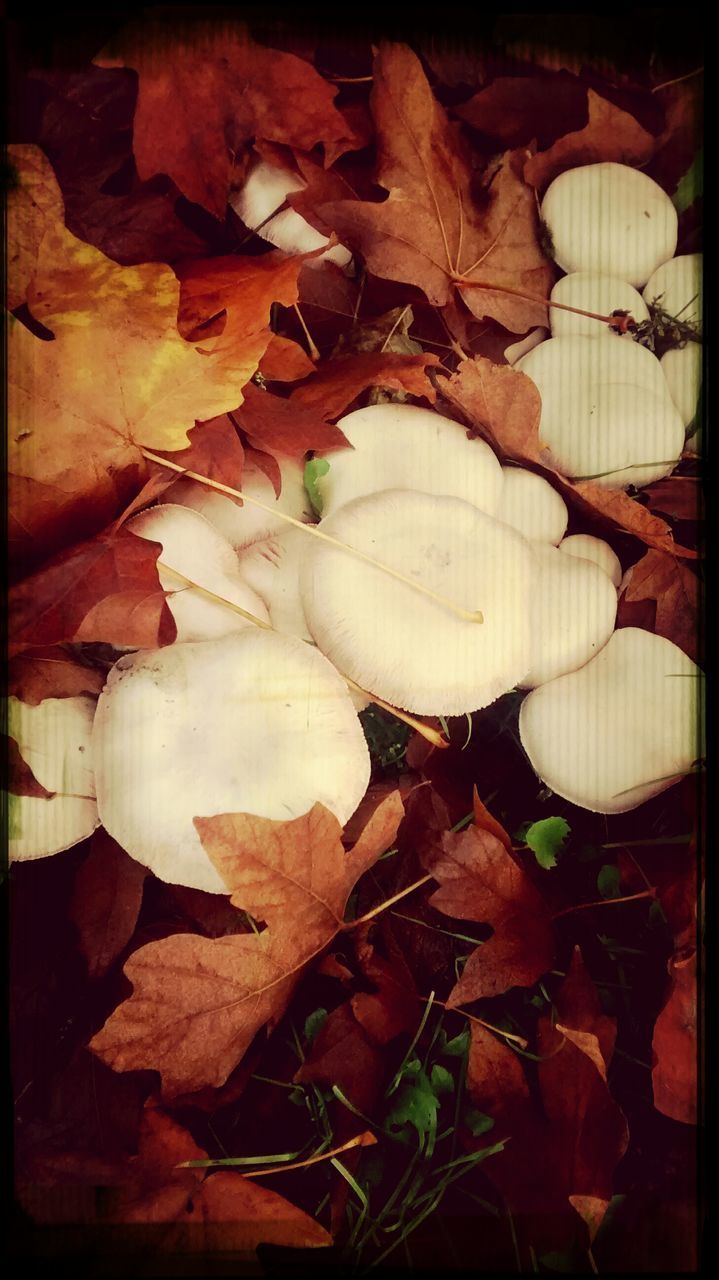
column 427, row 731
column 467, row 614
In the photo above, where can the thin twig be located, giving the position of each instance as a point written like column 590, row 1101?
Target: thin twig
column 403, row 893
column 314, row 353
column 606, row 902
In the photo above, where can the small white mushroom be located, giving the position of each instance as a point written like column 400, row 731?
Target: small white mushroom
column 531, row 506
column 54, row 739
column 620, row 730
column 272, row 569
column 586, row 547
column 611, row 219
column 254, row 723
column 574, row 608
column 590, row 291
column 606, row 410
column 392, row 639
column 242, row 523
column 676, row 286
column 682, row 368
column 194, row 549
column 262, row 195
column 516, row 350
column 400, row 446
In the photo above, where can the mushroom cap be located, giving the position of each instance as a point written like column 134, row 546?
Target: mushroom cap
column 252, row 723
column 621, row 729
column 242, row 523
column 531, row 506
column 677, row 288
column 591, row 291
column 682, row 367
column 264, row 192
column 272, row 569
column 574, row 608
column 606, row 410
column 516, row 350
column 55, row 739
column 611, row 219
column 400, row 446
column 398, row 643
column 586, row 547
column 194, row 548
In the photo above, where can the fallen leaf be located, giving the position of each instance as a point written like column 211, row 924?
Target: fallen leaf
column 106, row 901
column 215, row 450
column 484, row 820
column 610, row 134
column 21, row 780
column 106, row 590
column 207, row 89
column 680, row 497
column 676, row 1053
column 392, row 1007
column 285, row 361
column 51, row 673
column 34, row 203
column 343, row 378
column 517, row 109
column 198, row 1002
column 277, row 426
column 480, row 880
column 244, row 287
column 343, row 1054
column 674, row 589
column 430, row 232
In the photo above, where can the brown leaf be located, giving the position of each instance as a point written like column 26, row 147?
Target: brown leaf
column 215, row 450
column 278, row 426
column 674, row 589
column 198, row 1002
column 106, row 901
column 430, row 232
column 104, row 590
column 675, row 1073
column 680, row 497
column 50, row 673
column 480, row 880
column 343, row 1054
column 285, row 361
column 21, row 780
column 34, row 204
column 245, row 288
column 610, row 134
column 206, row 89
column 392, row 1007
column 516, row 109
column 485, row 822
column 343, row 378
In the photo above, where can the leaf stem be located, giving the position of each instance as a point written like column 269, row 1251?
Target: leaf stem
column 314, row 353
column 403, row 893
column 606, row 902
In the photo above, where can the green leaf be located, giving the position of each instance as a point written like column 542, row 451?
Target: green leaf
column 457, row 1046
column 477, row 1122
column 608, row 881
column 313, row 1023
column 691, row 185
column 314, row 469
column 546, row 838
column 441, row 1079
column 416, row 1104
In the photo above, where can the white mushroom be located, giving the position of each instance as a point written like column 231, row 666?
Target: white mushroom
column 586, row 547
column 516, row 350
column 531, row 506
column 254, row 723
column 574, row 607
column 392, row 639
column 620, row 730
column 399, row 446
column 611, row 219
column 272, row 569
column 242, row 523
column 54, row 739
column 590, row 291
column 606, row 410
column 194, row 549
column 264, row 192
column 676, row 286
column 682, row 367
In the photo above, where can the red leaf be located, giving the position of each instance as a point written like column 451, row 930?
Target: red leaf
column 278, row 426
column 50, row 673
column 106, row 901
column 285, row 361
column 245, row 288
column 673, row 588
column 611, row 134
column 485, row 822
column 516, row 109
column 215, row 450
column 342, row 379
column 674, row 1076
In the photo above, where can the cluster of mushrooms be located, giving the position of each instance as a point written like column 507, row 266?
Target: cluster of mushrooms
column 436, row 581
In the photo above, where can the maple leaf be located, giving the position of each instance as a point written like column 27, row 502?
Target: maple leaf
column 51, row 672
column 106, row 901
column 208, row 89
column 285, row 361
column 343, row 378
column 516, row 109
column 678, row 496
column 106, row 590
column 480, row 880
column 245, row 288
column 675, row 1071
column 282, row 427
column 34, row 204
column 484, row 820
column 674, row 589
column 215, row 450
column 610, row 134
column 198, row 1002
column 429, row 232
column 203, row 1212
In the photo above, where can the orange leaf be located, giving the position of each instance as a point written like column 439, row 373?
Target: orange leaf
column 674, row 1076
column 674, row 589
column 610, row 134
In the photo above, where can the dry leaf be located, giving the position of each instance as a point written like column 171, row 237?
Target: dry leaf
column 106, row 901
column 51, row 673
column 674, row 590
column 676, row 1055
column 611, row 134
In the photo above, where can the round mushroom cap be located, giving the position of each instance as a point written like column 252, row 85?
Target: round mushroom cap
column 606, row 410
column 611, row 219
column 55, row 739
column 590, row 291
column 676, row 286
column 192, row 547
column 586, row 547
column 400, row 446
column 242, row 523
column 395, row 641
column 621, row 729
column 516, row 350
column 574, row 608
column 682, row 368
column 253, row 723
column 531, row 506
column 263, row 193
